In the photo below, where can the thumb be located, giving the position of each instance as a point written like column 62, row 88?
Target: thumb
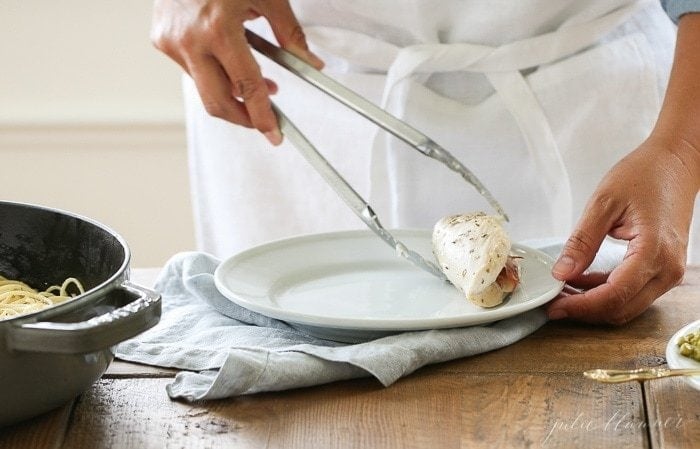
column 581, row 247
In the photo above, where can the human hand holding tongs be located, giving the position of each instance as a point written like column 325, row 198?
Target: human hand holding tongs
column 369, row 110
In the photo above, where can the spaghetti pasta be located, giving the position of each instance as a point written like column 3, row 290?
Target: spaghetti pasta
column 18, row 298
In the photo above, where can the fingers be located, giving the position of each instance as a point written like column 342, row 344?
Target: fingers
column 568, row 290
column 605, row 304
column 647, row 272
column 626, row 293
column 288, row 31
column 271, row 86
column 214, row 89
column 590, row 280
column 247, row 84
column 208, row 40
column 583, row 244
column 652, row 216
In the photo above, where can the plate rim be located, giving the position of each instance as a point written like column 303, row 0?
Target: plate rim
column 365, row 324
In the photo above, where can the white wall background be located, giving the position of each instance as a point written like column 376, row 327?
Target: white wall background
column 91, row 120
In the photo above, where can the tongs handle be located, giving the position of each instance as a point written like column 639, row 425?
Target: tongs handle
column 366, row 108
column 353, row 199
column 341, row 93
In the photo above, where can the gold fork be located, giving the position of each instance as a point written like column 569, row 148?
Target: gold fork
column 623, row 375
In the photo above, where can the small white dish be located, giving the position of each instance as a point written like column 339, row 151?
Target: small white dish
column 674, row 359
column 350, row 286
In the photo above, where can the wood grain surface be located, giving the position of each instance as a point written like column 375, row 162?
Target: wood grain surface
column 442, row 411
column 673, row 409
column 530, row 394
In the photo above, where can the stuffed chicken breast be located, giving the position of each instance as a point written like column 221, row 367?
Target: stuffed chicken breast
column 473, row 250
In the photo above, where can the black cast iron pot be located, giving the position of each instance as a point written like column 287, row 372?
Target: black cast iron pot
column 49, row 357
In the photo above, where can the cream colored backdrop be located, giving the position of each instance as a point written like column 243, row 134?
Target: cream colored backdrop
column 91, row 120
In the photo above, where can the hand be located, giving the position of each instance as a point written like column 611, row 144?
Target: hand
column 646, row 199
column 206, row 37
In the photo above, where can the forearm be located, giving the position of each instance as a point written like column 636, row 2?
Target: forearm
column 679, row 120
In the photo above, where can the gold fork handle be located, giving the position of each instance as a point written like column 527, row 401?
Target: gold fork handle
column 616, row 376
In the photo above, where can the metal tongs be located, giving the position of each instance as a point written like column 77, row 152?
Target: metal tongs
column 369, row 110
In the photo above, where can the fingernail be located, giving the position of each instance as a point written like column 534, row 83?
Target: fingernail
column 557, row 314
column 564, row 266
column 272, row 87
column 317, row 62
column 274, row 136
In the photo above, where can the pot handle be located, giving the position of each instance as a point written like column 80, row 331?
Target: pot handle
column 95, row 334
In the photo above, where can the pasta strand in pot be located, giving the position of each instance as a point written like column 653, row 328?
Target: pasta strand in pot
column 18, row 298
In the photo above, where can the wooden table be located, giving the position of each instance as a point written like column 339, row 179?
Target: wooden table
column 528, row 395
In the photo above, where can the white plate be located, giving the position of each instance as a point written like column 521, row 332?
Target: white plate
column 350, row 286
column 676, row 360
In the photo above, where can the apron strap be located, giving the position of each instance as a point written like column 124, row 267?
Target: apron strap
column 539, row 139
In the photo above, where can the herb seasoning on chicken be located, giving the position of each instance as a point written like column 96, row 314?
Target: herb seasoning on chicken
column 473, row 251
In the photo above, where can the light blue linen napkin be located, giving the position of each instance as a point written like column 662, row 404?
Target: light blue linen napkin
column 228, row 350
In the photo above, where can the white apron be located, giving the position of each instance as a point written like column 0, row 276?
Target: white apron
column 538, row 104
